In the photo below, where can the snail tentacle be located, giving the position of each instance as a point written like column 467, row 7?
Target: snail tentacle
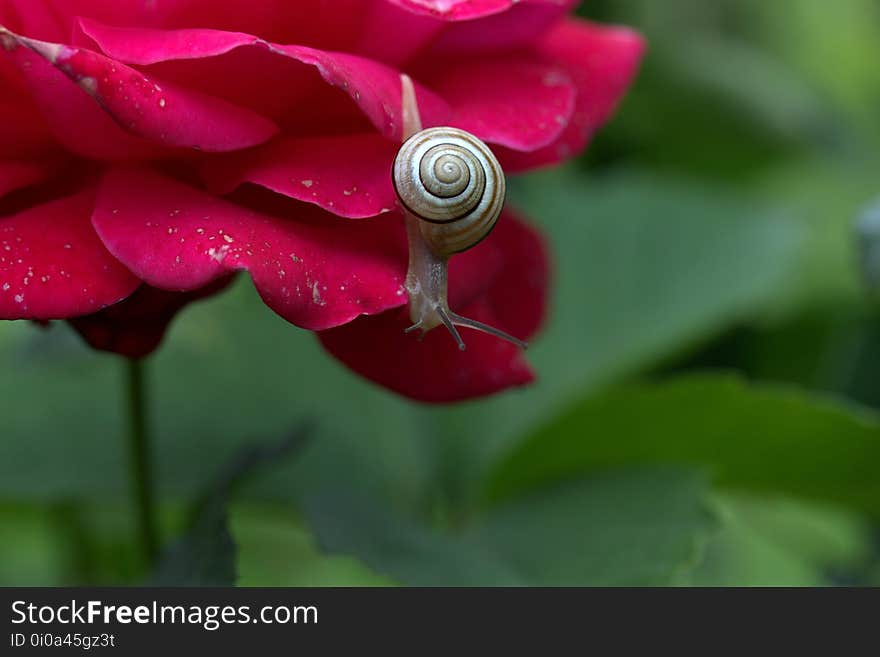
column 458, row 320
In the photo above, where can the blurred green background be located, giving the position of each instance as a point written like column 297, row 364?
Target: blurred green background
column 706, row 409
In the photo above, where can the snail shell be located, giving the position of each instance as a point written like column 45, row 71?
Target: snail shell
column 452, row 182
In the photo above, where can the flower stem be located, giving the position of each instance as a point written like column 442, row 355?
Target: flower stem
column 141, row 460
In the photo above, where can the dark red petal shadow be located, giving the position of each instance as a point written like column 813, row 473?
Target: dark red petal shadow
column 135, row 327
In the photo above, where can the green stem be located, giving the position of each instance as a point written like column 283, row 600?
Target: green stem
column 141, row 460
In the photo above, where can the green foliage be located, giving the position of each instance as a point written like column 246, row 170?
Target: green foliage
column 764, row 438
column 639, row 528
column 34, row 557
column 630, row 528
column 205, row 555
column 780, row 542
column 347, row 523
column 274, row 549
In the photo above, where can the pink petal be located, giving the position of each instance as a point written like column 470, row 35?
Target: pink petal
column 347, row 175
column 321, row 23
column 509, row 291
column 52, row 20
column 374, row 87
column 462, row 10
column 518, row 101
column 53, row 266
column 518, row 27
column 35, row 18
column 136, row 326
column 238, row 67
column 602, row 61
column 141, row 46
column 313, row 269
column 326, row 23
column 392, row 34
column 287, row 70
column 398, row 33
column 75, row 119
column 163, row 113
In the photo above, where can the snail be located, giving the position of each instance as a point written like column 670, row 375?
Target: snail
column 451, row 189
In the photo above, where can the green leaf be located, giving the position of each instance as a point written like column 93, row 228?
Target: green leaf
column 205, row 555
column 71, row 544
column 275, row 550
column 751, row 82
column 782, row 542
column 762, row 438
column 31, row 554
column 630, row 528
column 354, row 525
column 827, row 195
column 648, row 265
column 833, row 46
column 642, row 528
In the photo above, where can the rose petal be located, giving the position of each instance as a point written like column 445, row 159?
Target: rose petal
column 17, row 174
column 433, row 369
column 462, row 10
column 142, row 46
column 238, row 67
column 75, row 120
column 509, row 271
column 602, row 61
column 392, row 34
column 508, row 291
column 136, row 326
column 315, row 270
column 517, row 294
column 517, row 27
column 373, row 86
column 321, row 23
column 52, row 20
column 164, row 113
column 325, row 23
column 34, row 18
column 53, row 266
column 347, row 175
column 516, row 101
column 23, row 134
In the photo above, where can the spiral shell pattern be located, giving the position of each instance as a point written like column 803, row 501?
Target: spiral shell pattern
column 452, row 182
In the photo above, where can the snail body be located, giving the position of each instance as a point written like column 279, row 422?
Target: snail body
column 451, row 189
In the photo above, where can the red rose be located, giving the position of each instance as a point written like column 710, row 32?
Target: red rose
column 149, row 150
